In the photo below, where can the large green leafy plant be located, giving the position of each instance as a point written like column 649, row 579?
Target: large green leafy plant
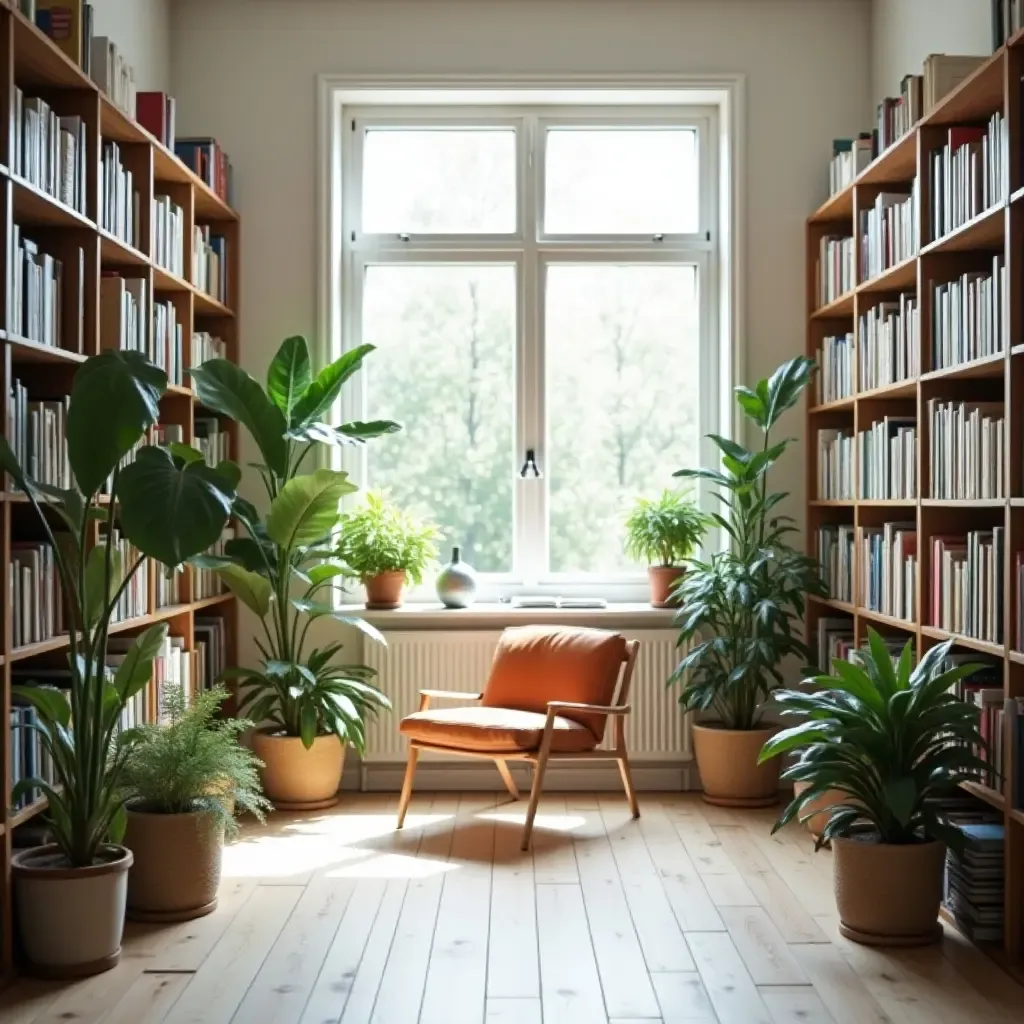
column 170, row 508
column 380, row 537
column 664, row 530
column 286, row 567
column 742, row 610
column 894, row 739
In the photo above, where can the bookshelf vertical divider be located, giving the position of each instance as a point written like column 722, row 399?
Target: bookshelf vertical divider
column 995, row 87
column 29, row 60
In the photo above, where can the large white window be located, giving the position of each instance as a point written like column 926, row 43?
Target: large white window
column 541, row 286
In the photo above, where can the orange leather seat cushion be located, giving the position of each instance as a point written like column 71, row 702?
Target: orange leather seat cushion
column 493, row 730
column 537, row 664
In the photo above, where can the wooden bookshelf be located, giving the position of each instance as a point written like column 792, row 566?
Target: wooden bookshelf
column 30, row 61
column 995, row 86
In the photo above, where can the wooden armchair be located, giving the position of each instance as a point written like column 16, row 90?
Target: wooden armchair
column 549, row 697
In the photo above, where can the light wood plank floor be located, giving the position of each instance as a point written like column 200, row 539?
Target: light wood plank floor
column 691, row 914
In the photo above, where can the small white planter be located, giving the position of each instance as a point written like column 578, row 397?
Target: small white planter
column 70, row 919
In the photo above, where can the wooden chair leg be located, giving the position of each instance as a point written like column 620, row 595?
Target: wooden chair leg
column 538, row 785
column 410, row 772
column 506, row 777
column 627, row 783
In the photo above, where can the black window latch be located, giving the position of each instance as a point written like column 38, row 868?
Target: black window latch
column 530, row 465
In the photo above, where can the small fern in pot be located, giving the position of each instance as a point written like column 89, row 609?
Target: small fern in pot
column 185, row 779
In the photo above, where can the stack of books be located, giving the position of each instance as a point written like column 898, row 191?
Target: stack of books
column 37, row 609
column 889, row 337
column 849, row 158
column 209, row 262
column 973, row 889
column 122, row 313
column 212, row 440
column 835, row 362
column 211, row 643
column 968, row 443
column 134, row 602
column 887, row 459
column 38, row 285
column 835, row 553
column 968, row 316
column 36, row 434
column 50, row 150
column 119, row 198
column 168, row 341
column 210, row 163
column 835, row 465
column 205, row 582
column 888, row 232
column 67, row 23
column 835, row 640
column 205, row 347
column 896, row 115
column 835, row 268
column 168, row 231
column 112, row 73
column 888, row 557
column 967, row 583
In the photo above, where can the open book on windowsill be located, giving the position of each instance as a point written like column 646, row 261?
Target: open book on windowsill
column 537, row 601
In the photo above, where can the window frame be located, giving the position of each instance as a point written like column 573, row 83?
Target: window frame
column 532, row 251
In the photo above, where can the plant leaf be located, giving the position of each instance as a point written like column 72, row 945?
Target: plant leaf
column 325, row 388
column 137, row 667
column 307, row 508
column 289, row 375
column 253, row 590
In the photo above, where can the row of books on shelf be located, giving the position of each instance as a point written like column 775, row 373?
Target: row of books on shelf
column 50, row 150
column 36, row 605
column 206, row 158
column 888, row 578
column 968, row 316
column 206, row 346
column 119, row 197
column 849, row 158
column 968, row 175
column 205, row 582
column 834, row 379
column 209, row 262
column 168, row 235
column 896, row 115
column 36, row 433
column 889, row 335
column 38, row 283
column 835, row 268
column 967, row 449
column 123, row 305
column 888, row 231
column 835, row 555
column 835, row 464
column 887, row 459
column 166, row 348
column 967, row 583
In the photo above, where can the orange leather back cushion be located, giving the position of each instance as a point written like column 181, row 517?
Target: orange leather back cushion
column 535, row 664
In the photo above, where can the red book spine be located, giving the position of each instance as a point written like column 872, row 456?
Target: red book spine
column 151, row 113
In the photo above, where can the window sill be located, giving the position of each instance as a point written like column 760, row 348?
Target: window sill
column 497, row 616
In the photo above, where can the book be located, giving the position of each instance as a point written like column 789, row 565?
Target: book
column 836, row 359
column 969, row 316
column 112, row 73
column 966, row 583
column 889, row 342
column 62, row 21
column 155, row 111
column 887, row 459
column 942, row 73
column 205, row 157
column 888, row 557
column 835, row 267
column 835, row 553
column 968, row 445
column 849, row 158
column 888, row 231
column 835, row 464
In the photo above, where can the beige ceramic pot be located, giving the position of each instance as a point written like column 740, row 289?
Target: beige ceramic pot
column 888, row 895
column 729, row 772
column 177, row 865
column 384, row 590
column 817, row 807
column 297, row 779
column 662, row 579
column 70, row 919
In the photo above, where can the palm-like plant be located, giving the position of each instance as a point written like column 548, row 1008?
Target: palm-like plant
column 741, row 606
column 893, row 738
column 286, row 568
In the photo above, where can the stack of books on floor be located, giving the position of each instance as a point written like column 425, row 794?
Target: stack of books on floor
column 835, row 640
column 211, row 642
column 835, row 268
column 167, row 346
column 967, row 583
column 50, row 150
column 205, row 347
column 888, row 232
column 896, row 115
column 849, row 158
column 36, row 434
column 134, row 602
column 973, row 889
column 968, row 442
column 210, row 162
column 968, row 320
column 205, row 582
column 835, row 553
column 168, row 232
column 887, row 459
column 212, row 440
column 888, row 557
column 835, row 364
column 835, row 465
column 123, row 308
column 209, row 262
column 968, row 174
column 37, row 608
column 119, row 199
column 889, row 337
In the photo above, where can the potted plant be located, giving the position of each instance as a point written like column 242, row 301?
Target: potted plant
column 285, row 569
column 893, row 741
column 70, row 895
column 185, row 777
column 742, row 608
column 664, row 532
column 386, row 547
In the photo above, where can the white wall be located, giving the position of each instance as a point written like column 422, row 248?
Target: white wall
column 141, row 29
column 904, row 32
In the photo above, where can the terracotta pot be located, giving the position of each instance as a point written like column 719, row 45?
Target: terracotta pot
column 817, row 807
column 70, row 919
column 177, row 865
column 385, row 589
column 662, row 579
column 729, row 772
column 297, row 779
column 888, row 895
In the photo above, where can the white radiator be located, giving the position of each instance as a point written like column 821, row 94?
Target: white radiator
column 656, row 730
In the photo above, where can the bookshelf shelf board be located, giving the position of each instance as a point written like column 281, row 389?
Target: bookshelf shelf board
column 165, row 281
column 1017, row 815
column 1017, row 657
column 167, row 167
column 207, row 305
column 28, row 812
column 55, row 643
column 39, row 61
column 975, row 98
column 25, row 351
column 1017, row 350
column 204, row 305
column 832, row 502
column 836, row 405
column 1017, row 196
column 894, row 165
column 831, row 602
column 963, row 502
column 887, row 502
column 34, row 206
column 991, row 796
column 885, row 620
column 987, row 366
column 211, row 602
column 900, row 389
column 983, row 646
column 115, row 253
column 896, row 278
column 982, row 232
column 117, row 125
column 841, row 307
column 838, row 207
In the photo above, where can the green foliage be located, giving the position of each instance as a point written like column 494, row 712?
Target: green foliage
column 194, row 762
column 287, row 566
column 664, row 530
column 381, row 537
column 893, row 738
column 114, row 402
column 739, row 609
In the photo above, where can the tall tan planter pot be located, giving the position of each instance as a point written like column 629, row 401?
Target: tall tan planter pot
column 297, row 779
column 729, row 772
column 70, row 920
column 888, row 895
column 177, row 865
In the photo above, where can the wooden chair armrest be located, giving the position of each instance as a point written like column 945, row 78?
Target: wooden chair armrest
column 597, row 709
column 450, row 695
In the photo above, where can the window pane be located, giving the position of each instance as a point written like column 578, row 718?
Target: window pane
column 439, row 180
column 622, row 356
column 621, row 181
column 445, row 370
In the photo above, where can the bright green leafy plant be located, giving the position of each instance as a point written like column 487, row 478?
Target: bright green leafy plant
column 739, row 609
column 287, row 566
column 170, row 508
column 894, row 739
column 665, row 530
